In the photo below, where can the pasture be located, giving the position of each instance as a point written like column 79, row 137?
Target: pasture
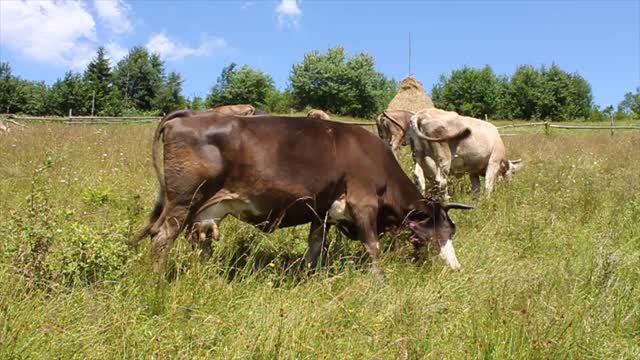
column 551, row 264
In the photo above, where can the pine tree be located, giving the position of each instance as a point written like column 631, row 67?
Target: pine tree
column 98, row 78
column 139, row 76
column 169, row 98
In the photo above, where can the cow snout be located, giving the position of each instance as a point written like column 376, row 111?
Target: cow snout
column 448, row 254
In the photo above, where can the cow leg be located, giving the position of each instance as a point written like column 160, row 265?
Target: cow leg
column 493, row 170
column 365, row 214
column 475, row 184
column 395, row 146
column 317, row 243
column 419, row 177
column 163, row 238
column 202, row 235
column 429, row 173
column 369, row 237
column 442, row 158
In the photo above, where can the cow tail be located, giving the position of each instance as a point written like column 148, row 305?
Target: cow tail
column 160, row 199
column 462, row 134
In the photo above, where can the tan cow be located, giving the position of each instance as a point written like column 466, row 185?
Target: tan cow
column 392, row 126
column 239, row 109
column 318, row 114
column 444, row 142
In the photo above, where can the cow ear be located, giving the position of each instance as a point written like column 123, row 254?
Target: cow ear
column 459, row 206
column 516, row 165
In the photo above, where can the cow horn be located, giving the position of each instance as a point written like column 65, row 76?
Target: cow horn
column 460, row 206
column 516, row 161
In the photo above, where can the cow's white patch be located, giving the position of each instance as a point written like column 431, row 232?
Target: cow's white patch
column 236, row 207
column 339, row 210
column 448, row 254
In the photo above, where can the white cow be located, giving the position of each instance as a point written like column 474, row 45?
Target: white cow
column 444, row 142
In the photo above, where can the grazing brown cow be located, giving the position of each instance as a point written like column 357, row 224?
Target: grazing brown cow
column 274, row 172
column 471, row 146
column 239, row 109
column 392, row 126
column 318, row 114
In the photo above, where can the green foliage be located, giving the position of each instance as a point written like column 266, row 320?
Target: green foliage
column 86, row 255
column 71, row 92
column 196, row 103
column 468, row 91
column 21, row 96
column 99, row 81
column 631, row 104
column 530, row 93
column 523, row 94
column 279, row 102
column 7, row 87
column 168, row 98
column 240, row 86
column 342, row 86
column 139, row 76
column 32, row 98
column 113, row 103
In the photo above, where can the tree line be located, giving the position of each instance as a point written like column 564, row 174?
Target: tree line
column 332, row 81
column 530, row 93
column 137, row 84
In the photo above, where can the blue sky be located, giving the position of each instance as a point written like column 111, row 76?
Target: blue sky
column 598, row 39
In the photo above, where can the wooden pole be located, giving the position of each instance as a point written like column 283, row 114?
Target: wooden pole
column 93, row 102
column 409, row 53
column 611, row 124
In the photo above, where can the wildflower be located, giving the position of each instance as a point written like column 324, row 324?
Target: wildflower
column 272, row 265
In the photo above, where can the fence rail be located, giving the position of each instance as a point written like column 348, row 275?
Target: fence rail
column 549, row 126
column 102, row 120
column 71, row 120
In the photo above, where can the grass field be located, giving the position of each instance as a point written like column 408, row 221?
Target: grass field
column 551, row 264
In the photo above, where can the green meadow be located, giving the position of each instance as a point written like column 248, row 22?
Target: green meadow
column 551, row 264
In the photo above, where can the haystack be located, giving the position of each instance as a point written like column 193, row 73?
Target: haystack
column 410, row 96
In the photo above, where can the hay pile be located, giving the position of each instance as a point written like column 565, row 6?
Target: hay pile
column 410, row 96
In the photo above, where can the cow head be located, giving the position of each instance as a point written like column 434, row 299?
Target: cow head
column 436, row 226
column 512, row 167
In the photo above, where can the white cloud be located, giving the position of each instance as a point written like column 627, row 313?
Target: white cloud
column 114, row 13
column 115, row 52
column 61, row 32
column 170, row 50
column 289, row 12
column 247, row 4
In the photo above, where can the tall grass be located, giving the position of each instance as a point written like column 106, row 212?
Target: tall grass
column 551, row 265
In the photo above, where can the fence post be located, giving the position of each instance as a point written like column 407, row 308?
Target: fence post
column 611, row 116
column 547, row 128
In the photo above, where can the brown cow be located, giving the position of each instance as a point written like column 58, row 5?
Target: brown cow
column 392, row 126
column 239, row 109
column 275, row 172
column 318, row 114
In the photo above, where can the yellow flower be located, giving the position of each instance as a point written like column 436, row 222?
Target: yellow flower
column 272, row 265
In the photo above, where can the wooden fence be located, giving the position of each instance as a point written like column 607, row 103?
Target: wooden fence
column 548, row 126
column 77, row 120
column 89, row 119
column 71, row 120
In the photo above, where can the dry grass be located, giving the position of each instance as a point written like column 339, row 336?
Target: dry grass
column 410, row 96
column 551, row 265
